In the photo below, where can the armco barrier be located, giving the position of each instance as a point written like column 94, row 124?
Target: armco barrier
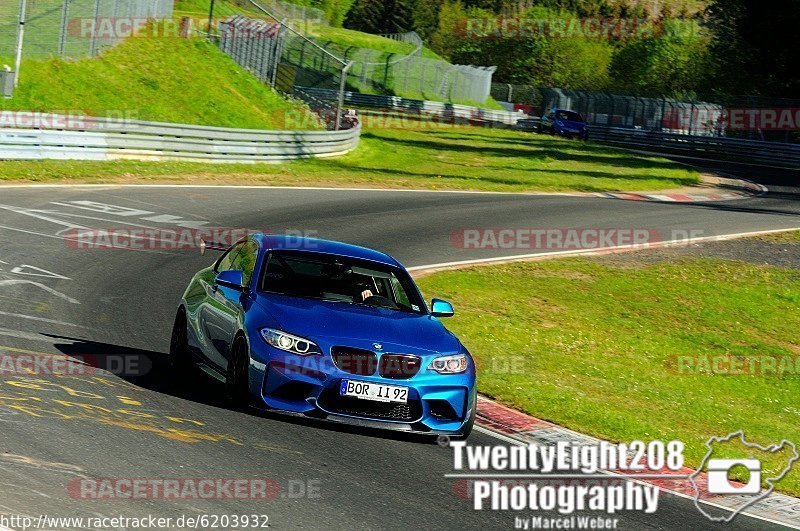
column 488, row 117
column 718, row 148
column 71, row 138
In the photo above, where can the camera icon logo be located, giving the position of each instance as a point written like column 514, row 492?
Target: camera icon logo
column 718, row 482
column 718, row 472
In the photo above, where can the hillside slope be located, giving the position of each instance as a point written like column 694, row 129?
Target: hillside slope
column 158, row 79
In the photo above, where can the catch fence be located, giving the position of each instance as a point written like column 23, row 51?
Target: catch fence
column 72, row 29
column 745, row 117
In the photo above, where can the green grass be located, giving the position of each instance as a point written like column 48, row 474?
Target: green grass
column 457, row 159
column 156, row 79
column 344, row 38
column 782, row 237
column 222, row 8
column 593, row 346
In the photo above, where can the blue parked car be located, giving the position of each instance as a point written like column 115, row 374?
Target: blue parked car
column 564, row 123
column 326, row 330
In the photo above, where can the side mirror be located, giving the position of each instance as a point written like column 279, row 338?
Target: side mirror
column 440, row 308
column 230, row 279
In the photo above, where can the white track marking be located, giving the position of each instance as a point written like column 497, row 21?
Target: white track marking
column 326, row 188
column 116, row 221
column 103, row 208
column 64, row 238
column 40, row 214
column 40, row 319
column 600, row 250
column 51, row 291
column 126, row 212
column 30, row 336
column 177, row 220
column 21, row 270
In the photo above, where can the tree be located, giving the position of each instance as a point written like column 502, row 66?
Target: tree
column 670, row 63
column 539, row 59
column 426, row 17
column 381, row 16
column 754, row 46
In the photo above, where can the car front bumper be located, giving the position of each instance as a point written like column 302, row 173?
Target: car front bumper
column 309, row 386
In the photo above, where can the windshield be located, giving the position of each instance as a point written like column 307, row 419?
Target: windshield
column 340, row 279
column 569, row 115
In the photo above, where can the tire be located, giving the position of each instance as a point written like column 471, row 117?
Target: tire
column 237, row 389
column 180, row 359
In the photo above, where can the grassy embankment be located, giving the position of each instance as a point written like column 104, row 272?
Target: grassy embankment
column 625, row 349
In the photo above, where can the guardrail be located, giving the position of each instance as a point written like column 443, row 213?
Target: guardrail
column 58, row 137
column 718, row 148
column 468, row 114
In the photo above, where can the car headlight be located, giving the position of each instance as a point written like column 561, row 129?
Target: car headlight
column 290, row 343
column 450, row 364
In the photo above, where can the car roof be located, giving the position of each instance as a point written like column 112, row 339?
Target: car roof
column 296, row 243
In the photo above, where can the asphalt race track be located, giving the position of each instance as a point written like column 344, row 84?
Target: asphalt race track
column 59, row 299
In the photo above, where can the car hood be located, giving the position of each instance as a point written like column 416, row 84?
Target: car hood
column 337, row 323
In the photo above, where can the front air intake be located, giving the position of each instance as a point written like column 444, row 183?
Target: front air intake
column 355, row 361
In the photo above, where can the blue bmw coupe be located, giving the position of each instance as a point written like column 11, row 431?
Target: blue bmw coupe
column 325, row 330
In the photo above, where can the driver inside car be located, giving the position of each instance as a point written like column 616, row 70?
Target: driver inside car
column 364, row 290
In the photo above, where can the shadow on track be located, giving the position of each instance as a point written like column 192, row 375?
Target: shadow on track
column 151, row 371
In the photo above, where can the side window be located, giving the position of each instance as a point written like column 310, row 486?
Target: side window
column 399, row 293
column 227, row 259
column 245, row 260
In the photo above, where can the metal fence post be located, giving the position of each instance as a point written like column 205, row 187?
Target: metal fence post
column 62, row 41
column 23, row 5
column 210, row 17
column 93, row 48
column 340, row 102
column 364, row 72
column 387, row 69
column 277, row 50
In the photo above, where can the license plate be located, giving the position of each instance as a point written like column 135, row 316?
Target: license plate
column 374, row 391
